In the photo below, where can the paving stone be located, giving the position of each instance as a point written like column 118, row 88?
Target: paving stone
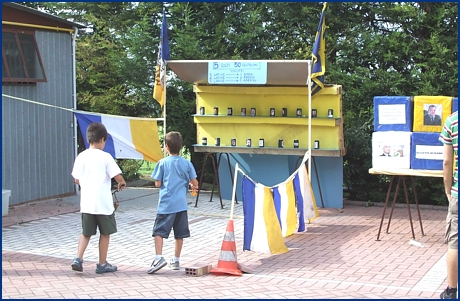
column 337, row 257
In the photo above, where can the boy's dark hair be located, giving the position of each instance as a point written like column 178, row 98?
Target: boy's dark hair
column 95, row 132
column 174, row 141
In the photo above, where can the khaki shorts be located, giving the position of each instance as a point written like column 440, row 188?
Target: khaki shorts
column 451, row 237
column 106, row 224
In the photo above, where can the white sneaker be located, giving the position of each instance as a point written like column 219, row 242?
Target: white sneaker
column 157, row 266
column 174, row 265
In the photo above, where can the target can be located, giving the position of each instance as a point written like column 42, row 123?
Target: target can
column 316, row 144
column 284, row 112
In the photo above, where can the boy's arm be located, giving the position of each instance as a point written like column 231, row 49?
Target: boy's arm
column 447, row 168
column 194, row 183
column 157, row 183
column 121, row 181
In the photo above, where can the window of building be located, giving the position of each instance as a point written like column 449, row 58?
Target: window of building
column 20, row 57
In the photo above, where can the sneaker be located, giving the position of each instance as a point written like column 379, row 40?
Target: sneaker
column 105, row 268
column 174, row 265
column 446, row 295
column 77, row 265
column 156, row 266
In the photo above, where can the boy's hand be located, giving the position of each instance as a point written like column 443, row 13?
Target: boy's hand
column 121, row 182
column 193, row 190
column 121, row 186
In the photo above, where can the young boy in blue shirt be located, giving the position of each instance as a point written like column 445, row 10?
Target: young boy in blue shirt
column 173, row 175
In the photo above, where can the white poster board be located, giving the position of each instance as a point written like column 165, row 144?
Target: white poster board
column 391, row 150
column 392, row 114
column 237, row 72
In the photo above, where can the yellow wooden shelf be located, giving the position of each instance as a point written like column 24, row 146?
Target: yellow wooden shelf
column 264, row 89
column 324, row 152
column 329, row 131
column 222, row 119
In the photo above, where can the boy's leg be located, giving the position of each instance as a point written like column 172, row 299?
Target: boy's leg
column 181, row 231
column 161, row 229
column 452, row 267
column 82, row 245
column 158, row 245
column 103, row 248
column 451, row 238
column 178, row 247
column 452, row 245
column 107, row 226
column 89, row 226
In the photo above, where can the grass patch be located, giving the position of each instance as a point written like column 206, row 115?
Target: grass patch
column 146, row 168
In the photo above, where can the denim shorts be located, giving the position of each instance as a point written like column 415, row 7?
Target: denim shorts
column 177, row 221
column 451, row 237
column 106, row 223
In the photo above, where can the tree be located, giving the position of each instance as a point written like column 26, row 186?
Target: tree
column 374, row 48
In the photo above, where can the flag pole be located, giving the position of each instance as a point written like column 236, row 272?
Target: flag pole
column 163, row 23
column 74, row 92
column 164, row 112
column 234, row 190
column 309, row 118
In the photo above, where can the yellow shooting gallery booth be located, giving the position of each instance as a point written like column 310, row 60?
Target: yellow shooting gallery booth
column 226, row 88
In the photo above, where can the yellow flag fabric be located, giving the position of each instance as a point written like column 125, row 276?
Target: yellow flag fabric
column 262, row 231
column 285, row 205
column 319, row 56
column 129, row 137
column 158, row 90
column 163, row 55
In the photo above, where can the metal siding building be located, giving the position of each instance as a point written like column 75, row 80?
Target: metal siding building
column 38, row 143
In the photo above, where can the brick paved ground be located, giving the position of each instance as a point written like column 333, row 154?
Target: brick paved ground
column 338, row 256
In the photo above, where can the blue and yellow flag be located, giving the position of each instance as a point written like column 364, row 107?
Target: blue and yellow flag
column 262, row 231
column 128, row 137
column 318, row 56
column 163, row 56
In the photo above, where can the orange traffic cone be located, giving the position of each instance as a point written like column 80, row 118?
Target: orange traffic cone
column 227, row 260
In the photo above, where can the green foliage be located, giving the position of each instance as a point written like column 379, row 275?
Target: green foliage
column 388, row 49
column 372, row 48
column 430, row 191
column 130, row 168
column 146, row 168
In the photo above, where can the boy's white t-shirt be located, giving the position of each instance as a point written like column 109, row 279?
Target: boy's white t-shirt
column 94, row 169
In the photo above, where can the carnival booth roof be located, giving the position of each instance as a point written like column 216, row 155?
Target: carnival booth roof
column 279, row 72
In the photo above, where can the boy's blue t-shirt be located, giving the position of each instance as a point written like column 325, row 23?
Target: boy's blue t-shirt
column 175, row 174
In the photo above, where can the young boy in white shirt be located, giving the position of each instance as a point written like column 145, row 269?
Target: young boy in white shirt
column 93, row 170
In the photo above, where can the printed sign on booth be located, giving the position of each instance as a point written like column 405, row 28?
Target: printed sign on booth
column 237, row 72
